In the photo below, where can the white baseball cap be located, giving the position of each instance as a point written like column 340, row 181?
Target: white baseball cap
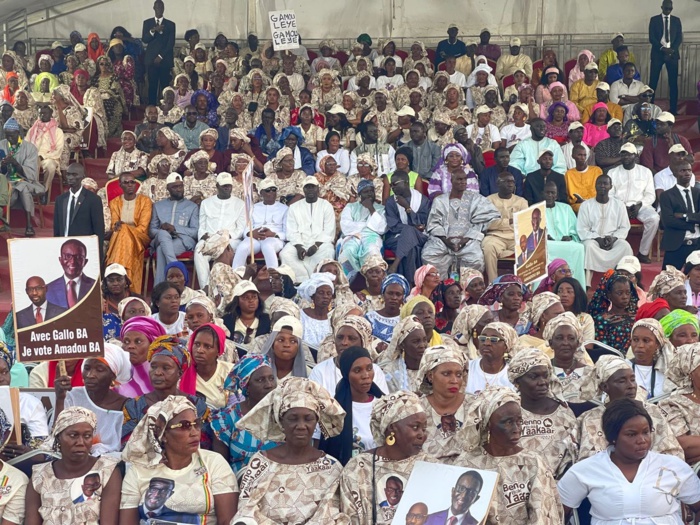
column 613, row 121
column 677, row 148
column 665, row 116
column 173, row 177
column 289, row 321
column 115, row 268
column 629, row 148
column 630, row 264
column 575, row 125
column 224, row 178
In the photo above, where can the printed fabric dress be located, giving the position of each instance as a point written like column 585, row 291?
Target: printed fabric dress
column 682, row 414
column 553, row 436
column 62, row 500
column 273, row 493
column 526, row 492
column 441, row 441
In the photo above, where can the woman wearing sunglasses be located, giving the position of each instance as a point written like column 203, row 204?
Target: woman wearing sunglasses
column 170, row 478
column 497, row 344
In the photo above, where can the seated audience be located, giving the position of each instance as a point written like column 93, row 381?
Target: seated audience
column 49, row 141
column 602, row 93
column 245, row 316
column 655, row 150
column 128, row 159
column 527, row 152
column 626, row 90
column 562, row 236
column 607, row 151
column 536, row 180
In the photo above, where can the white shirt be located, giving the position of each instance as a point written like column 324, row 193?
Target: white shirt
column 378, row 61
column 342, row 157
column 695, row 233
column 652, row 498
column 309, row 223
column 46, row 151
column 568, row 152
column 666, row 20
column 352, row 85
column 513, row 134
column 478, row 380
column 425, row 83
column 664, row 180
column 389, row 83
column 459, row 79
column 632, row 186
column 296, row 82
column 222, row 214
column 42, row 308
column 172, row 329
column 33, row 414
column 495, row 135
column 272, row 217
column 328, row 376
column 71, row 196
column 619, row 88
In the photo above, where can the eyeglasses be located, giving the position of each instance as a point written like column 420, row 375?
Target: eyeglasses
column 31, row 289
column 644, row 95
column 266, row 190
column 491, row 339
column 191, row 113
column 187, row 425
column 72, row 257
column 461, row 489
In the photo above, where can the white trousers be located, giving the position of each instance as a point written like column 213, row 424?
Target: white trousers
column 650, row 219
column 201, row 263
column 270, row 247
column 304, row 269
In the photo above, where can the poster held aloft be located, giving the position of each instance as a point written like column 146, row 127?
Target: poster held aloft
column 57, row 295
column 530, row 227
column 283, row 27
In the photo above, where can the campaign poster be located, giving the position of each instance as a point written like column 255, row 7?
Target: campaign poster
column 433, row 490
column 530, row 227
column 283, row 26
column 57, row 298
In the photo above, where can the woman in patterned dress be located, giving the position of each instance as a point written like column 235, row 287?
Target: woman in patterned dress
column 112, row 96
column 293, row 482
column 613, row 308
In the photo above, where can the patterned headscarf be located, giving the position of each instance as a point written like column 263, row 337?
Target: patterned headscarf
column 401, row 332
column 282, row 153
column 369, row 159
column 684, row 361
column 90, row 183
column 396, row 278
column 289, row 307
column 176, row 349
column 475, row 431
column 175, row 140
column 373, row 261
column 492, row 294
column 650, row 309
column 148, row 326
column 196, row 157
column 600, row 302
column 67, row 418
column 308, row 288
column 464, row 324
column 215, row 244
column 359, row 324
column 240, row 134
column 238, row 378
column 540, row 303
column 467, row 275
column 604, row 368
column 564, row 319
column 6, row 355
column 153, row 164
column 667, row 280
column 264, row 421
column 676, row 319
column 144, row 447
column 117, row 359
column 509, row 335
column 529, row 358
column 392, row 408
column 419, row 277
column 5, row 427
column 547, row 284
column 654, row 327
column 434, row 357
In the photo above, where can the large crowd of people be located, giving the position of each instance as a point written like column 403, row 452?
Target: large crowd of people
column 328, row 233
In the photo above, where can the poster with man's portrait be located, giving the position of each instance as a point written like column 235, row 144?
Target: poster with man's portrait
column 434, row 493
column 530, row 227
column 57, row 297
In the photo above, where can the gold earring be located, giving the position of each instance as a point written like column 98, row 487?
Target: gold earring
column 390, row 439
column 506, row 357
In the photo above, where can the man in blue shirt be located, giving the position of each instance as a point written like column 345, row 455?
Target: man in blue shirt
column 615, row 72
column 190, row 129
column 488, row 180
column 450, row 46
column 174, row 225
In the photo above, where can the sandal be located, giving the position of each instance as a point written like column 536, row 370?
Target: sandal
column 29, row 232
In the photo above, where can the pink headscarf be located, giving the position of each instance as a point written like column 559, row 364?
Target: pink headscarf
column 39, row 128
column 419, row 277
column 576, row 73
column 547, row 284
column 140, row 382
column 188, row 381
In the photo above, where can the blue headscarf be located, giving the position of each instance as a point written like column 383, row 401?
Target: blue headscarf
column 364, row 183
column 180, row 266
column 291, row 130
column 237, row 380
column 395, row 278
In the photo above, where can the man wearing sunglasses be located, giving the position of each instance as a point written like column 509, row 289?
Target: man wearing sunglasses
column 190, row 129
column 655, row 153
column 645, row 97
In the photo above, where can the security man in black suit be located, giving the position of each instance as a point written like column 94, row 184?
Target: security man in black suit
column 680, row 215
column 159, row 34
column 665, row 36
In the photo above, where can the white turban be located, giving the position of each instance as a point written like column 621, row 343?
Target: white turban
column 118, row 362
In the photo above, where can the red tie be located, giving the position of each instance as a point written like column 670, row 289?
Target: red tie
column 72, row 296
column 38, row 316
column 453, row 521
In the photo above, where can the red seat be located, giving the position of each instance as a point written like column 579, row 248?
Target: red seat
column 114, row 190
column 492, row 65
column 568, row 66
column 537, row 65
column 342, row 56
column 149, row 258
column 312, row 55
column 113, row 145
column 345, row 84
column 431, row 55
column 130, row 125
column 402, row 54
column 97, row 169
column 508, row 81
column 441, row 66
column 389, row 255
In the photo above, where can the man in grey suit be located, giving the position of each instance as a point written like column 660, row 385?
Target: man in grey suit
column 73, row 285
column 174, row 225
column 40, row 310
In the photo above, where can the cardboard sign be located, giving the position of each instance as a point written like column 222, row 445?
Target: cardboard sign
column 530, row 227
column 57, row 298
column 433, row 489
column 283, row 26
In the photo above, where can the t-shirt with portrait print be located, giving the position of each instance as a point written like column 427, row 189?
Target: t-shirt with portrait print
column 182, row 496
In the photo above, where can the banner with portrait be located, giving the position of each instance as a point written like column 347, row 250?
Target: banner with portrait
column 283, row 27
column 530, row 227
column 57, row 298
column 433, row 490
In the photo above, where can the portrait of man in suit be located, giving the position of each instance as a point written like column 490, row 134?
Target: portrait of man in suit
column 464, row 494
column 40, row 310
column 159, row 36
column 393, row 490
column 91, row 484
column 523, row 248
column 73, row 285
column 417, row 514
column 537, row 233
column 158, row 492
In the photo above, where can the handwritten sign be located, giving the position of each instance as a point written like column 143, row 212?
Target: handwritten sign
column 283, row 26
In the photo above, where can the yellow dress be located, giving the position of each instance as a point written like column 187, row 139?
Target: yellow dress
column 581, row 183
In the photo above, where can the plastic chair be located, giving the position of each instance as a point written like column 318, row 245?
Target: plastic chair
column 508, row 81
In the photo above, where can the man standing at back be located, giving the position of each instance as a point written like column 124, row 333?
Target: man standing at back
column 666, row 37
column 159, row 34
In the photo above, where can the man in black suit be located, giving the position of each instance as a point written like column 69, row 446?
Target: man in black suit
column 73, row 285
column 40, row 310
column 665, row 36
column 159, row 34
column 680, row 215
column 78, row 211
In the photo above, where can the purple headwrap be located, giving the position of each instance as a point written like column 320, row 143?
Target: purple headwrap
column 547, row 284
column 149, row 327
